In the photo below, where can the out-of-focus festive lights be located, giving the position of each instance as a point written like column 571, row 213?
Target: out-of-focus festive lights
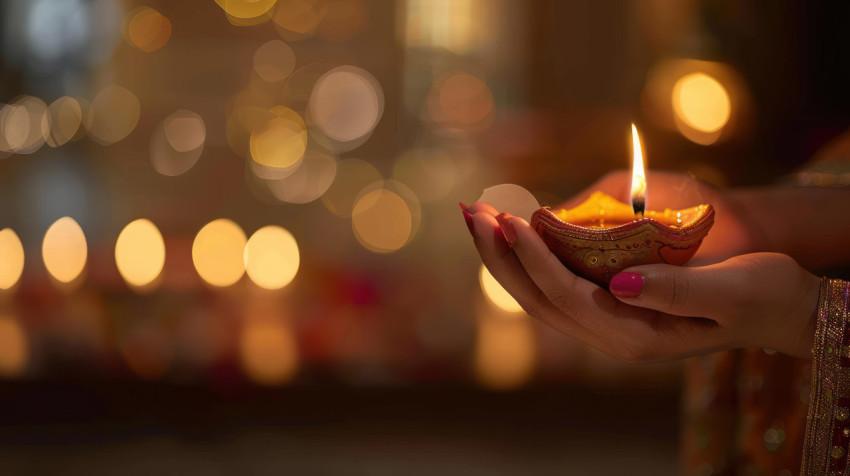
column 511, row 198
column 246, row 9
column 281, row 141
column 140, row 253
column 505, row 353
column 113, row 115
column 297, row 19
column 177, row 143
column 274, row 61
column 146, row 29
column 21, row 125
column 64, row 250
column 11, row 258
column 352, row 176
column 701, row 102
column 495, row 293
column 14, row 349
column 268, row 351
column 346, row 104
column 382, row 221
column 218, row 252
column 308, row 182
column 271, row 257
column 61, row 123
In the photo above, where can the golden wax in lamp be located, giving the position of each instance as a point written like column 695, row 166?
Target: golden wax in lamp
column 603, row 236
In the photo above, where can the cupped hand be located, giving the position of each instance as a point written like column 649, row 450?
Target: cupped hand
column 654, row 312
column 731, row 235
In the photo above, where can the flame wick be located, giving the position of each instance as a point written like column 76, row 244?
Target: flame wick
column 638, row 176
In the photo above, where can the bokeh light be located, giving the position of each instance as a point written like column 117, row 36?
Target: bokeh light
column 64, row 250
column 177, row 143
column 11, row 258
column 147, row 349
column 511, row 198
column 297, row 19
column 113, row 115
column 146, row 29
column 246, row 9
column 21, row 125
column 274, row 61
column 281, row 141
column 346, row 104
column 268, row 350
column 461, row 100
column 382, row 221
column 14, row 349
column 271, row 257
column 495, row 293
column 505, row 353
column 140, row 252
column 701, row 102
column 308, row 182
column 61, row 123
column 218, row 252
column 352, row 176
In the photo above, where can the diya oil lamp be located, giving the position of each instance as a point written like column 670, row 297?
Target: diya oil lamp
column 603, row 236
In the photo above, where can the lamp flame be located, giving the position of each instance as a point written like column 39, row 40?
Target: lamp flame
column 638, row 175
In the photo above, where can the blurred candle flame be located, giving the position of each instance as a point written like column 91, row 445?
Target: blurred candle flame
column 638, row 175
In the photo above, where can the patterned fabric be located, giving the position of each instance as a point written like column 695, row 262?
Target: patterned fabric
column 745, row 411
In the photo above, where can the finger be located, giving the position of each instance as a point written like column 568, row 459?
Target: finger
column 503, row 264
column 706, row 291
column 643, row 333
column 482, row 207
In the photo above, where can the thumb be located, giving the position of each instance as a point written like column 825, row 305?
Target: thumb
column 691, row 292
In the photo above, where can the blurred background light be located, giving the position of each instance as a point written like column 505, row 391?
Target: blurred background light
column 343, row 19
column 177, row 143
column 140, row 252
column 505, row 352
column 113, row 115
column 14, row 348
column 56, row 29
column 246, row 9
column 268, row 350
column 274, row 61
column 218, row 252
column 64, row 250
column 147, row 348
column 346, row 104
column 430, row 172
column 11, row 258
column 352, row 176
column 146, row 29
column 298, row 19
column 281, row 141
column 382, row 222
column 451, row 24
column 21, row 125
column 461, row 100
column 271, row 257
column 495, row 293
column 701, row 102
column 309, row 181
column 61, row 123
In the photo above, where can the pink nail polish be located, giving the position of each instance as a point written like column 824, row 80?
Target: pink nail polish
column 627, row 285
column 507, row 228
column 463, row 206
column 468, row 218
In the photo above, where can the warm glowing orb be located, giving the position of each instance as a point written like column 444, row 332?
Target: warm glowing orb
column 64, row 249
column 271, row 257
column 11, row 258
column 14, row 349
column 140, row 252
column 701, row 102
column 495, row 293
column 218, row 252
column 268, row 352
column 382, row 221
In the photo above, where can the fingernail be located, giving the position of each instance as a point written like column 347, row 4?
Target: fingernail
column 462, row 205
column 626, row 285
column 468, row 217
column 507, row 228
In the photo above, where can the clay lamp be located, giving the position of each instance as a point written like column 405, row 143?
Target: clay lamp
column 603, row 236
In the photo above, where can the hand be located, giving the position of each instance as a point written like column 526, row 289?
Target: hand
column 654, row 312
column 731, row 234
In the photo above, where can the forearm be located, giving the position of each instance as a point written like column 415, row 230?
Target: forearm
column 810, row 224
